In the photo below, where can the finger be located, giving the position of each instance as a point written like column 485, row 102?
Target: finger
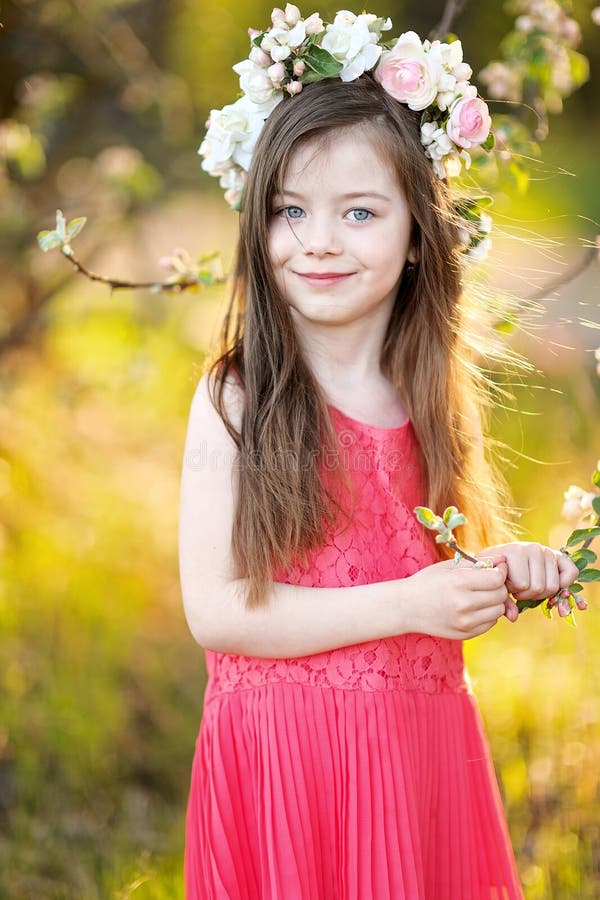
column 552, row 579
column 567, row 570
column 489, row 616
column 511, row 610
column 487, row 599
column 489, row 579
column 518, row 579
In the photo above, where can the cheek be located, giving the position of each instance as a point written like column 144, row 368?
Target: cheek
column 278, row 244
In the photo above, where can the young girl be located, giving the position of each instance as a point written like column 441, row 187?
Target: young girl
column 341, row 753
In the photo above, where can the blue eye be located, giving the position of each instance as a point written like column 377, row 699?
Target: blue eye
column 291, row 212
column 361, row 214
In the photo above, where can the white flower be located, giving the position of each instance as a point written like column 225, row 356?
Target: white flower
column 279, row 42
column 435, row 140
column 485, row 223
column 349, row 41
column 259, row 57
column 480, row 251
column 232, row 134
column 596, row 15
column 254, row 81
column 233, row 182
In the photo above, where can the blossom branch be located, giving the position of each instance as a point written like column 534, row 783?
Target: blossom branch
column 116, row 283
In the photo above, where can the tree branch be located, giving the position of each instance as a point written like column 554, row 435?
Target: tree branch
column 116, row 283
column 590, row 257
column 451, row 11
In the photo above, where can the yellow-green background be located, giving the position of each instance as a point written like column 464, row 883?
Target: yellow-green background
column 100, row 681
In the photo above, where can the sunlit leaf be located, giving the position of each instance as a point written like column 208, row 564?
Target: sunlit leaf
column 48, row 239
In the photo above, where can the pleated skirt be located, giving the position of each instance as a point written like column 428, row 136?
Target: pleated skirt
column 316, row 793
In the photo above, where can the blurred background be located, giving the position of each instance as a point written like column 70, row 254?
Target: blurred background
column 103, row 105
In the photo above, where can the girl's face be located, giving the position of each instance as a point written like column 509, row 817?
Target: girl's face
column 339, row 236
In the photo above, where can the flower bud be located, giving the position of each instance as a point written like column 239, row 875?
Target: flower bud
column 276, row 73
column 292, row 14
column 314, row 24
column 259, row 57
column 563, row 607
column 278, row 18
column 299, row 68
column 294, row 87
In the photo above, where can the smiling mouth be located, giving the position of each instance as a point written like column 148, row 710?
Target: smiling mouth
column 323, row 277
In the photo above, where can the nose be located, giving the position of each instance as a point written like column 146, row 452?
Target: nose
column 322, row 237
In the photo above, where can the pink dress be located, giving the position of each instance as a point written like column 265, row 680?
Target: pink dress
column 361, row 773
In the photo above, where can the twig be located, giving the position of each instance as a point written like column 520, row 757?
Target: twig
column 116, row 283
column 451, row 10
column 589, row 258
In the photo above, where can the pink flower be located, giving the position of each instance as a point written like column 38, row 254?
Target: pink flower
column 469, row 123
column 294, row 87
column 299, row 68
column 406, row 74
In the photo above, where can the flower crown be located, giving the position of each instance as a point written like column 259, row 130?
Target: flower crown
column 429, row 76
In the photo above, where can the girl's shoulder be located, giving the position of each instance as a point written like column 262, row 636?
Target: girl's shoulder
column 204, row 413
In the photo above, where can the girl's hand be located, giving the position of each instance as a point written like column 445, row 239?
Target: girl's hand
column 458, row 601
column 534, row 571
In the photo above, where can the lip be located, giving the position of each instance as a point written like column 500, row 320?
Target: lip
column 323, row 278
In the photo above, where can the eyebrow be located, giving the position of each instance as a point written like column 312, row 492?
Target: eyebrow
column 352, row 196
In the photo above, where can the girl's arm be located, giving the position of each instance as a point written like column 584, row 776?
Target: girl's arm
column 456, row 602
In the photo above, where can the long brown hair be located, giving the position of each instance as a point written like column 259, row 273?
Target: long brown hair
column 282, row 511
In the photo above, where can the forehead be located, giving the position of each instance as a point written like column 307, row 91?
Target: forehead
column 347, row 159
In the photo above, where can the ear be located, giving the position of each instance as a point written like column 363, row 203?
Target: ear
column 411, row 256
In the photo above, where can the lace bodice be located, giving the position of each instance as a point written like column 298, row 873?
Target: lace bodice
column 384, row 542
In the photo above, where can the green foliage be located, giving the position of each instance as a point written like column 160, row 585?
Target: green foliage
column 62, row 234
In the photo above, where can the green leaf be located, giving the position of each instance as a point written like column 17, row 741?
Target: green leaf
column 580, row 67
column 582, row 534
column 457, row 558
column 75, row 226
column 547, row 612
column 589, row 575
column 489, row 142
column 596, row 478
column 48, row 239
column 519, row 176
column 583, row 554
column 575, row 588
column 426, row 517
column 442, row 538
column 456, row 520
column 448, row 512
column 527, row 604
column 505, row 326
column 322, row 62
column 596, row 505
